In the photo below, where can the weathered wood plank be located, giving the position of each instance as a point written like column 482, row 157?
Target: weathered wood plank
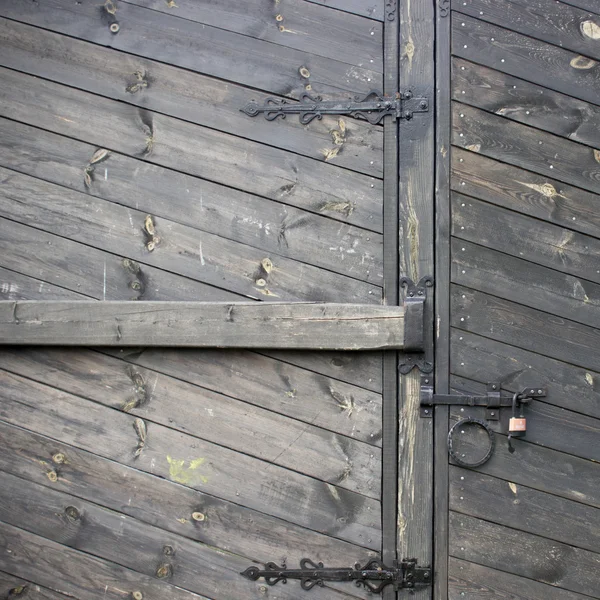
column 295, row 24
column 536, row 241
column 526, row 102
column 222, row 158
column 517, row 280
column 245, row 270
column 514, row 551
column 550, row 66
column 589, row 5
column 93, row 273
column 169, row 506
column 525, row 328
column 524, row 509
column 554, row 22
column 210, row 416
column 205, row 325
column 192, row 462
column 487, row 360
column 524, row 192
column 374, row 9
column 250, row 220
column 255, row 380
column 76, row 573
column 547, row 425
column 519, row 145
column 130, row 543
column 12, row 587
column 467, row 578
column 15, row 286
column 209, row 50
column 416, row 259
column 184, row 94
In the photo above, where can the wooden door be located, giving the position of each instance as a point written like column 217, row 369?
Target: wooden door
column 522, row 91
column 129, row 172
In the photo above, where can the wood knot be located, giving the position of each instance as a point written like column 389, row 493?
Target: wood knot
column 17, row 592
column 163, row 571
column 72, row 513
column 59, row 458
column 140, row 428
column 168, row 550
column 140, row 82
column 152, row 238
column 198, row 516
column 304, row 72
column 52, row 476
column 137, row 595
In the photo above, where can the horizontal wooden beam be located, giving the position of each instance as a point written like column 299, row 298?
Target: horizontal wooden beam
column 299, row 326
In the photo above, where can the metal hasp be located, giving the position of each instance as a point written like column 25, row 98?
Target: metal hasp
column 415, row 325
column 374, row 576
column 373, row 107
column 493, row 400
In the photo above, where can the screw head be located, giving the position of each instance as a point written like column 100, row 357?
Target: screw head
column 114, row 27
column 423, row 104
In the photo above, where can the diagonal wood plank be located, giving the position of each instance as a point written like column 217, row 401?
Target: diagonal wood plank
column 182, row 93
column 200, row 151
column 521, row 56
column 209, row 50
column 207, row 325
column 14, row 586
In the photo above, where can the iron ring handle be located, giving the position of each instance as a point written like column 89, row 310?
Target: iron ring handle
column 471, row 421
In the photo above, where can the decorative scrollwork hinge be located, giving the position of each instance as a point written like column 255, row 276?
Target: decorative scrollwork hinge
column 374, row 576
column 372, row 108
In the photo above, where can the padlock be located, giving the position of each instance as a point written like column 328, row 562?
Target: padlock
column 517, row 426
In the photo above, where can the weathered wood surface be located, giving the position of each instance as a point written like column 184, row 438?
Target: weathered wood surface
column 517, row 280
column 172, row 507
column 525, row 328
column 484, row 359
column 416, row 259
column 523, row 508
column 524, row 554
column 295, row 24
column 542, row 243
column 205, row 325
column 524, row 192
column 12, row 587
column 526, row 102
column 193, row 462
column 244, row 218
column 519, row 55
column 467, row 578
column 222, row 158
column 554, row 22
column 213, row 51
column 516, row 144
column 210, row 416
column 184, row 94
column 374, row 9
column 129, row 542
column 246, row 270
column 76, row 573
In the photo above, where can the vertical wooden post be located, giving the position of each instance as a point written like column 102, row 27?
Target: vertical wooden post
column 442, row 297
column 416, row 239
column 390, row 289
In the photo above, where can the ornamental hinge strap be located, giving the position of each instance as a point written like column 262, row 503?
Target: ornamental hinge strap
column 374, row 575
column 373, row 107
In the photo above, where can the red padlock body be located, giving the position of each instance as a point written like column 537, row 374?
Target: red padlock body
column 517, row 424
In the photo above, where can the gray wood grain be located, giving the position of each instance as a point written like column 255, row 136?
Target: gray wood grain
column 131, row 543
column 181, row 249
column 76, row 573
column 374, row 9
column 184, row 94
column 295, row 24
column 222, row 158
column 525, row 192
column 203, row 325
column 11, row 587
column 526, row 102
column 191, row 462
column 467, row 578
column 167, row 505
column 250, row 220
column 202, row 48
column 268, row 434
column 524, row 554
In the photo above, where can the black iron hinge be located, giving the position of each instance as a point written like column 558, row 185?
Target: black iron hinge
column 373, row 107
column 374, row 576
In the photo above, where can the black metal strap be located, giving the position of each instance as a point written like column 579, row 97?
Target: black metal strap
column 454, row 455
